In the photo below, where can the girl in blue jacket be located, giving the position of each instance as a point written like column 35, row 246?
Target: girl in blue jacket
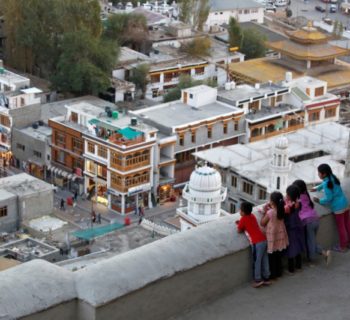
column 337, row 201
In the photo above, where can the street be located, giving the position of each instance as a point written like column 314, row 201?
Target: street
column 307, row 9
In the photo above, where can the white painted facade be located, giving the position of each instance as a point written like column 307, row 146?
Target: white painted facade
column 217, row 18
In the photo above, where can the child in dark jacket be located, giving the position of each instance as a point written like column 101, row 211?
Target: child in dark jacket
column 257, row 239
column 310, row 221
column 294, row 228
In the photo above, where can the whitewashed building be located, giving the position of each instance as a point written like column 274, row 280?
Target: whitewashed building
column 252, row 171
column 204, row 194
column 243, row 10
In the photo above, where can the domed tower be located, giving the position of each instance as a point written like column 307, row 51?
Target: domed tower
column 204, row 194
column 280, row 166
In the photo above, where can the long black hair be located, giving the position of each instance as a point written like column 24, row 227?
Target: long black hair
column 277, row 199
column 303, row 190
column 324, row 168
column 293, row 192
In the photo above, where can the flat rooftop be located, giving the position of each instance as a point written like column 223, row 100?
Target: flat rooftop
column 246, row 91
column 217, row 5
column 267, row 112
column 266, row 69
column 129, row 55
column 178, row 114
column 11, row 78
column 23, row 184
column 41, row 133
column 253, row 160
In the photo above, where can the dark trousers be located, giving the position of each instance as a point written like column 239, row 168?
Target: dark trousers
column 294, row 263
column 275, row 262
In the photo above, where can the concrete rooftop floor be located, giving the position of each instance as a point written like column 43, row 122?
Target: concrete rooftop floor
column 316, row 293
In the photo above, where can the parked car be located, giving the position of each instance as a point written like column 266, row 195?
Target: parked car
column 270, row 7
column 333, row 8
column 319, row 8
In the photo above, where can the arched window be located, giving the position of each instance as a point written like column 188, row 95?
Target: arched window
column 278, row 183
column 279, row 160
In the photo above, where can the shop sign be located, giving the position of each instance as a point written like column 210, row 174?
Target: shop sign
column 140, row 188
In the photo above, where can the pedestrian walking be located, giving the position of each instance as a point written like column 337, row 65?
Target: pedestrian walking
column 75, row 197
column 62, row 204
column 93, row 217
column 99, row 218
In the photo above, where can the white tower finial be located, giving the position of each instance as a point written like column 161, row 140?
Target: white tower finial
column 280, row 165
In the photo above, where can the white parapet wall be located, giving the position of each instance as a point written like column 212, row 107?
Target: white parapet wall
column 156, row 281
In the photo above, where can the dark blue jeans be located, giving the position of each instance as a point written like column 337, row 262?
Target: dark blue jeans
column 261, row 268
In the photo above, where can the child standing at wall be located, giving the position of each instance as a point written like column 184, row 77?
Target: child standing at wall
column 276, row 234
column 335, row 198
column 257, row 239
column 294, row 228
column 310, row 222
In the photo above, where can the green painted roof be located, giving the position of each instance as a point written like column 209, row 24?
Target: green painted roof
column 300, row 94
column 94, row 121
column 129, row 133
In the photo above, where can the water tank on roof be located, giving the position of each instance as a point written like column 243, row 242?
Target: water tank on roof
column 115, row 114
column 133, row 121
column 107, row 109
column 40, row 122
column 109, row 113
column 227, row 86
column 35, row 125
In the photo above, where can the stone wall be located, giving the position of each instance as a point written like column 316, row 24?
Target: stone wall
column 156, row 281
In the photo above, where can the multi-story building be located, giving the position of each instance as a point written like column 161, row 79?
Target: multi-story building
column 67, row 146
column 252, row 171
column 243, row 10
column 118, row 153
column 198, row 121
column 14, row 93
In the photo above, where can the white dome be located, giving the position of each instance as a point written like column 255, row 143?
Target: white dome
column 205, row 179
column 282, row 143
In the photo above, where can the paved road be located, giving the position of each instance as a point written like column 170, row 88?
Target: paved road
column 317, row 293
column 307, row 9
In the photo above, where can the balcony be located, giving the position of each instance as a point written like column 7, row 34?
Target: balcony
column 123, row 185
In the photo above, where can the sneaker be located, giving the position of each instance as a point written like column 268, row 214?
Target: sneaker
column 257, row 284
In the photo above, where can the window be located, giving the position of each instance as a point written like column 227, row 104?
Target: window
column 181, row 139
column 254, row 105
column 246, row 11
column 91, row 147
column 155, row 78
column 199, row 71
column 278, row 183
column 78, row 163
column 191, row 96
column 247, row 187
column 37, row 154
column 314, row 116
column 102, row 152
column 74, row 117
column 279, row 98
column 232, row 207
column 102, row 171
column 5, row 121
column 193, row 136
column 3, row 212
column 224, row 128
column 48, row 157
column 60, row 139
column 210, row 132
column 77, row 145
column 319, row 91
column 90, row 166
column 262, row 194
column 236, row 126
column 21, row 146
column 61, row 157
column 330, row 113
column 234, row 181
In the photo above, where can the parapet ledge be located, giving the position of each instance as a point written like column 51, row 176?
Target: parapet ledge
column 132, row 270
column 34, row 286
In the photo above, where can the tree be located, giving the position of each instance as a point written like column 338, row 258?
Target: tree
column 140, row 78
column 235, row 33
column 185, row 10
column 253, row 44
column 185, row 82
column 338, row 29
column 85, row 64
column 199, row 47
column 128, row 29
column 289, row 12
column 203, row 9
